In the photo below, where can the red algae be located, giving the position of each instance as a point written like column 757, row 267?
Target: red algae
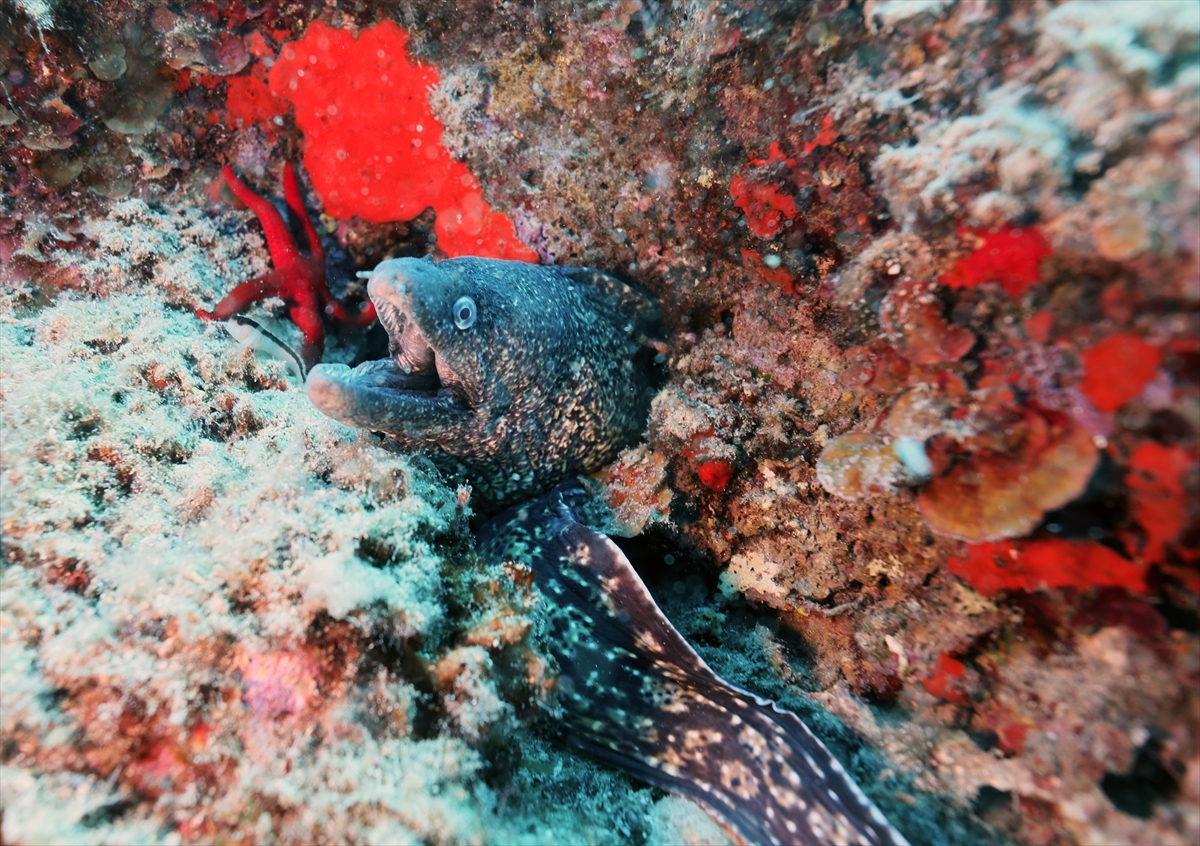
column 1046, row 563
column 372, row 145
column 1117, row 369
column 1012, row 257
column 1011, row 728
column 765, row 206
column 712, row 458
column 877, row 368
column 1039, row 327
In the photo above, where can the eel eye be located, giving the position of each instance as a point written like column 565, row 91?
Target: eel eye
column 463, row 313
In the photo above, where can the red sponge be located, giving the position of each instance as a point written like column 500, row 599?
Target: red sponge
column 1012, row 257
column 373, row 146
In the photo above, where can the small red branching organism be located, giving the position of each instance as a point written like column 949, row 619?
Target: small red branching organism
column 297, row 280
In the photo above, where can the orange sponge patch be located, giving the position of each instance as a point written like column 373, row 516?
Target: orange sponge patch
column 373, row 146
column 1116, row 369
column 1046, row 563
column 1012, row 257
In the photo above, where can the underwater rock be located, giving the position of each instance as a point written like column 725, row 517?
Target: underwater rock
column 1034, row 162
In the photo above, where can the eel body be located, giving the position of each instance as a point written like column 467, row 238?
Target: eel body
column 634, row 694
column 519, row 377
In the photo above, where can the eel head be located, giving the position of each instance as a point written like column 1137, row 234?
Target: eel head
column 437, row 376
column 511, row 374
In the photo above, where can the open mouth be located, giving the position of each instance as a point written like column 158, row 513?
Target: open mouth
column 411, row 364
column 397, row 393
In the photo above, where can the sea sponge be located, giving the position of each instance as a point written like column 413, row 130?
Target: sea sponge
column 372, row 145
column 1045, row 563
column 1012, row 257
column 1158, row 498
column 1116, row 369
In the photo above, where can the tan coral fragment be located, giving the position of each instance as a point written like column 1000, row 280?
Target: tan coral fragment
column 990, row 496
column 859, row 464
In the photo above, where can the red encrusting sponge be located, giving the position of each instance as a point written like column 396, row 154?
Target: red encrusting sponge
column 372, row 145
column 1013, row 257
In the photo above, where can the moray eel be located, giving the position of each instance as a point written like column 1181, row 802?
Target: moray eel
column 512, row 375
column 520, row 377
column 634, row 694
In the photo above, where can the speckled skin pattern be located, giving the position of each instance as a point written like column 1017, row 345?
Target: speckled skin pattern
column 634, row 694
column 541, row 385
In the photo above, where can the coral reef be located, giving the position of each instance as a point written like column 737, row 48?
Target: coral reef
column 923, row 466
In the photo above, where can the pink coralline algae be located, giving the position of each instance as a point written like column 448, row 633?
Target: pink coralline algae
column 279, row 683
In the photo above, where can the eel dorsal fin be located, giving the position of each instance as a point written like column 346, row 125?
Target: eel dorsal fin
column 634, row 694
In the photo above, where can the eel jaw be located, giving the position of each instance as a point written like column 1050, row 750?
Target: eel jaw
column 412, row 394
